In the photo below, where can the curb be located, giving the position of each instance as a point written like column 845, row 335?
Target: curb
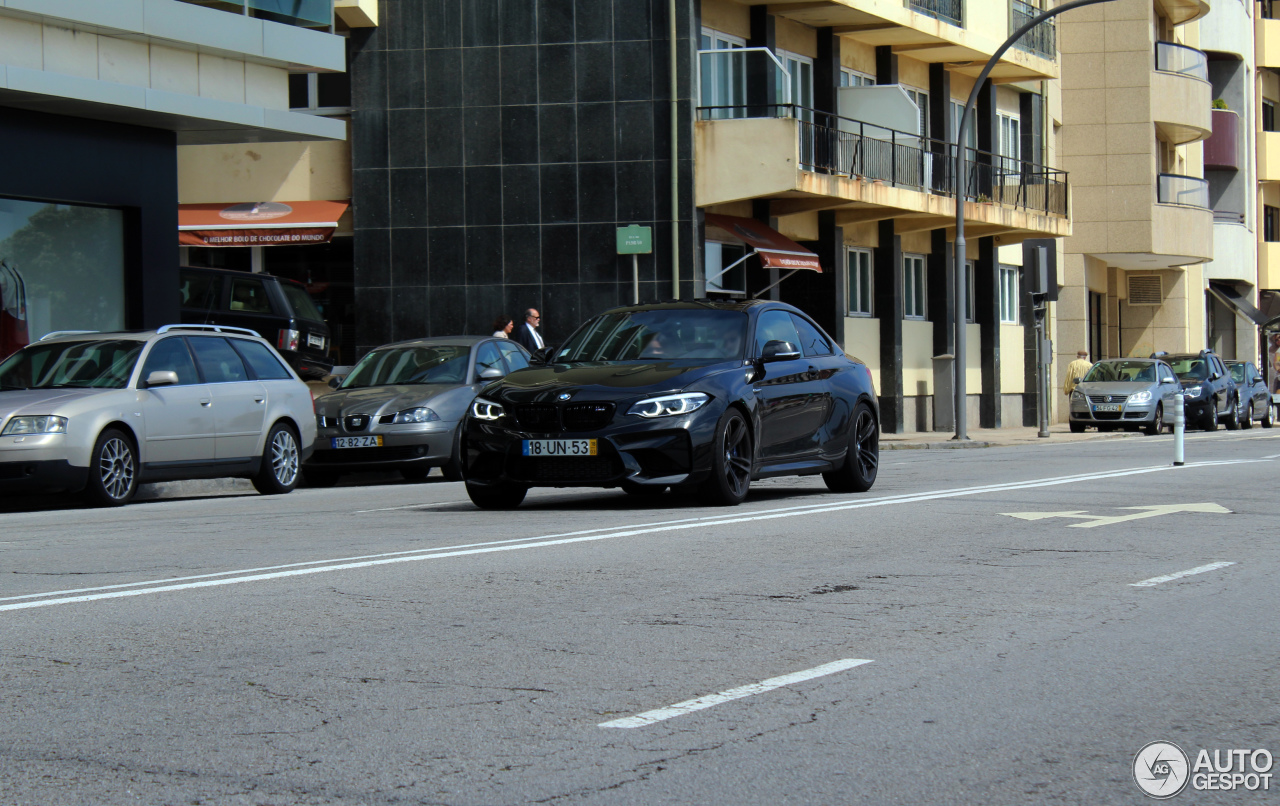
column 936, row 446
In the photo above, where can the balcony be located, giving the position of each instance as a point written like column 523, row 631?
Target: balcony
column 1269, row 156
column 1181, row 96
column 804, row 161
column 1041, row 40
column 1222, row 149
column 1186, row 191
column 314, row 14
column 948, row 11
column 1267, row 38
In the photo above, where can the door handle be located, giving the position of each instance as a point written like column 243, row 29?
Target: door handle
column 204, row 401
column 258, row 399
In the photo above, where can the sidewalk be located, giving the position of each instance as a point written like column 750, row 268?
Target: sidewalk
column 993, row 438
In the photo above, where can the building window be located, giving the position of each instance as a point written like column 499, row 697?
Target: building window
column 1268, row 116
column 320, row 93
column 858, row 287
column 1010, row 145
column 921, row 99
column 1270, row 223
column 971, row 133
column 913, row 286
column 801, row 70
column 970, row 271
column 852, row 78
column 722, row 77
column 1009, row 294
column 725, row 266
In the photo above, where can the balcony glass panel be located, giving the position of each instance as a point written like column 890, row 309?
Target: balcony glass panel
column 1188, row 191
column 949, row 11
column 1041, row 40
column 1180, row 59
column 301, row 13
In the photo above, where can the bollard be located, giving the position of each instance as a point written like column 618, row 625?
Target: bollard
column 1179, row 429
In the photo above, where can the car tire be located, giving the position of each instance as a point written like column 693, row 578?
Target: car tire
column 496, row 496
column 452, row 469
column 1077, row 428
column 1233, row 417
column 1157, row 422
column 279, row 471
column 113, row 470
column 862, row 460
column 731, row 460
column 1269, row 419
column 415, row 473
column 1210, row 423
column 319, row 478
column 1247, row 420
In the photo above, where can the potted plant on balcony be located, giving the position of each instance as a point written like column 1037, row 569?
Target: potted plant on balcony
column 1219, row 103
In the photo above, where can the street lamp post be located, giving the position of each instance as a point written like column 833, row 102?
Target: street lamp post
column 961, row 392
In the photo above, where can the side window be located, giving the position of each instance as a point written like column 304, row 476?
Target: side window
column 249, row 295
column 199, row 290
column 220, row 363
column 171, row 355
column 259, row 358
column 812, row 342
column 516, row 358
column 775, row 326
column 487, row 357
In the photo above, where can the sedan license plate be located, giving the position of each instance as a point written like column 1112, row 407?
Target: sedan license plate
column 1107, row 407
column 559, row 447
column 315, row 341
column 357, row 442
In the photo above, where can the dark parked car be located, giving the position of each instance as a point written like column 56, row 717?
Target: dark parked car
column 1255, row 400
column 701, row 396
column 402, row 405
column 278, row 309
column 1209, row 393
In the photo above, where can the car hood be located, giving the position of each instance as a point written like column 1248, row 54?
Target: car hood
column 41, row 401
column 1114, row 387
column 381, row 399
column 601, row 379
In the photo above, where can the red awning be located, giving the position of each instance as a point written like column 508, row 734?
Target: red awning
column 259, row 223
column 776, row 251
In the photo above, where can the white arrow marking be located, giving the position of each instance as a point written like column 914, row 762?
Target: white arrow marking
column 1107, row 520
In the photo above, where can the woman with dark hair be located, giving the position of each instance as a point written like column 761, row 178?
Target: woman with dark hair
column 502, row 326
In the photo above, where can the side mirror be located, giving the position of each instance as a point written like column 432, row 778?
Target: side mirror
column 335, row 382
column 778, row 350
column 490, row 374
column 162, row 377
column 544, row 355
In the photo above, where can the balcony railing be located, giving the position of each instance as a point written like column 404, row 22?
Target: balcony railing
column 1188, row 191
column 1174, row 58
column 949, row 11
column 317, row 14
column 1041, row 40
column 831, row 144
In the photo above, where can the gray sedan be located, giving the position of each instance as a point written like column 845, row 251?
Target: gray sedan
column 1125, row 393
column 401, row 406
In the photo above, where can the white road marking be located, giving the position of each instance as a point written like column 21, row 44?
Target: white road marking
column 586, row 535
column 688, row 706
column 1272, row 456
column 1107, row 520
column 407, row 506
column 1148, row 583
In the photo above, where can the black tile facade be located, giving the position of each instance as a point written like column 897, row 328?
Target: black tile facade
column 497, row 145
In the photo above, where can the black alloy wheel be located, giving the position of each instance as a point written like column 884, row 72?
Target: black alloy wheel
column 113, row 470
column 497, row 496
column 278, row 474
column 1157, row 422
column 1233, row 416
column 862, row 461
column 1247, row 420
column 1210, row 422
column 1269, row 419
column 731, row 458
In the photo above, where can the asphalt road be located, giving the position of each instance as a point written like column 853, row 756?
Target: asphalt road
column 389, row 643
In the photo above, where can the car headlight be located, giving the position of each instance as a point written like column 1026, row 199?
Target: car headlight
column 483, row 409
column 43, row 424
column 1192, row 391
column 422, row 414
column 1140, row 397
column 1077, row 396
column 670, row 405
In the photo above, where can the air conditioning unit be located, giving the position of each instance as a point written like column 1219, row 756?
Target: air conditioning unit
column 1145, row 289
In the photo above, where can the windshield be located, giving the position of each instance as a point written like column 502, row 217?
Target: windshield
column 1192, row 368
column 301, row 302
column 1122, row 372
column 680, row 335
column 71, row 365
column 404, row 365
column 1237, row 372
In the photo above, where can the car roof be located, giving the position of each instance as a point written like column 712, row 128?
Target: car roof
column 1110, row 360
column 144, row 335
column 742, row 305
column 435, row 341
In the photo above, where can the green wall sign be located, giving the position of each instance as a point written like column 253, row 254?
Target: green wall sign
column 635, row 240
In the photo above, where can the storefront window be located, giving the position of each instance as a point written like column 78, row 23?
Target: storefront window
column 63, row 269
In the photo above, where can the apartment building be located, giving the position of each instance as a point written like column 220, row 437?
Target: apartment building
column 498, row 146
column 98, row 97
column 1266, row 130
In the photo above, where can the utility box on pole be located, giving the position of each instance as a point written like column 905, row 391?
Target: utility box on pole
column 944, row 386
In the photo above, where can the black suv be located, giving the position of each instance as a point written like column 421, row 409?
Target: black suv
column 1209, row 393
column 280, row 310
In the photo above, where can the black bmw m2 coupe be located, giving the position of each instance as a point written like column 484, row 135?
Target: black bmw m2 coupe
column 698, row 396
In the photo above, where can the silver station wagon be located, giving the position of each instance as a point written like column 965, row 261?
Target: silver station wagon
column 104, row 412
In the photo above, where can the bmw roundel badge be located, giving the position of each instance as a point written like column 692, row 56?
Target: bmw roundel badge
column 565, row 395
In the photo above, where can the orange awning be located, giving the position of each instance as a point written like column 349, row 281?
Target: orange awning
column 259, row 223
column 776, row 251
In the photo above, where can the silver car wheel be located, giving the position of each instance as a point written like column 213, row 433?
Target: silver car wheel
column 284, row 457
column 115, row 464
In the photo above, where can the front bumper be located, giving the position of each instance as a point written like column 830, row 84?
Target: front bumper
column 40, row 475
column 660, row 452
column 1129, row 415
column 400, row 448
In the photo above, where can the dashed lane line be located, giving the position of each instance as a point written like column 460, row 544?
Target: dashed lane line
column 1150, row 583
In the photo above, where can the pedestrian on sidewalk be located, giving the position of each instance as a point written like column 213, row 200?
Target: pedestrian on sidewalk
column 526, row 334
column 1076, row 371
column 502, row 327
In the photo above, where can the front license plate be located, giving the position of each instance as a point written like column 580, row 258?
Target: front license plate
column 315, row 341
column 357, row 442
column 559, row 447
column 1107, row 407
